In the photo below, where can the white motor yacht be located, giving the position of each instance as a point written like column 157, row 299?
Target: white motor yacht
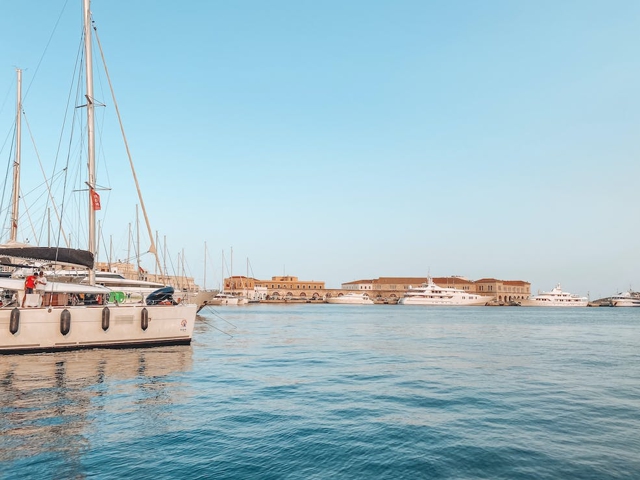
column 350, row 299
column 625, row 299
column 223, row 299
column 431, row 294
column 556, row 298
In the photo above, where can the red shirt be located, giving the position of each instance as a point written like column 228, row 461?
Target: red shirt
column 30, row 282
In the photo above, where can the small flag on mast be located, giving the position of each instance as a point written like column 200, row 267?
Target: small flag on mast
column 95, row 200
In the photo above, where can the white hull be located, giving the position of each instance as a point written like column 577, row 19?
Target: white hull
column 39, row 329
column 555, row 298
column 430, row 294
column 551, row 303
column 350, row 299
column 439, row 302
column 222, row 299
column 625, row 301
column 201, row 298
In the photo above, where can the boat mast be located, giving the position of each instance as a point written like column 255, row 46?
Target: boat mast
column 164, row 258
column 138, row 245
column 204, row 280
column 91, row 157
column 16, row 163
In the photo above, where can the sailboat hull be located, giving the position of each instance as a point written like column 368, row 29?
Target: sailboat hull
column 72, row 328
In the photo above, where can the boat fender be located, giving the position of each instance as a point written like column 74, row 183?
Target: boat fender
column 106, row 314
column 144, row 319
column 14, row 323
column 65, row 322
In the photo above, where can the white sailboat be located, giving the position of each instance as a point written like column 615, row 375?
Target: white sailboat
column 71, row 316
column 556, row 298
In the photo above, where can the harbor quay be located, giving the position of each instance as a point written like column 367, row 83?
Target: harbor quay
column 384, row 290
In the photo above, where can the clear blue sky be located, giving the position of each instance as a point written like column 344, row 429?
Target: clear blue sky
column 341, row 140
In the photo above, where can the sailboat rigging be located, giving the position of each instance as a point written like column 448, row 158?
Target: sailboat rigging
column 66, row 316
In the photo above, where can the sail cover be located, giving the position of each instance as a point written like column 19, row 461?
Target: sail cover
column 50, row 254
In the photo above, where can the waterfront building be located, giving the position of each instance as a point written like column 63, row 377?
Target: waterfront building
column 382, row 289
column 278, row 287
column 394, row 287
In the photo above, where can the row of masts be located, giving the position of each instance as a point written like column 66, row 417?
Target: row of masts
column 93, row 240
column 91, row 149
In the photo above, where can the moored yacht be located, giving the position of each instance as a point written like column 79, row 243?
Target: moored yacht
column 626, row 299
column 556, row 298
column 223, row 299
column 431, row 294
column 350, row 299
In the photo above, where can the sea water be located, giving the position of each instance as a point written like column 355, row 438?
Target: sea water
column 338, row 391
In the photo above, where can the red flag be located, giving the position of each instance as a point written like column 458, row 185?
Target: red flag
column 95, row 200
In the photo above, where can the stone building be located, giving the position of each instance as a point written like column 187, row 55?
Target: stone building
column 278, row 287
column 390, row 287
column 380, row 289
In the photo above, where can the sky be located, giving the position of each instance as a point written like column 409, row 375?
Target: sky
column 345, row 140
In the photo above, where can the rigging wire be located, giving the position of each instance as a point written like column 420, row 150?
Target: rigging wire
column 153, row 248
column 6, row 179
column 212, row 310
column 55, row 27
column 51, row 199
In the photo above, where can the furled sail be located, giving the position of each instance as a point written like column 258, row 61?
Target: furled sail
column 59, row 255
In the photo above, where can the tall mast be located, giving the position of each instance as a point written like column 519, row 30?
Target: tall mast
column 16, row 163
column 182, row 277
column 91, row 157
column 156, row 267
column 204, row 280
column 164, row 258
column 138, row 244
column 129, row 246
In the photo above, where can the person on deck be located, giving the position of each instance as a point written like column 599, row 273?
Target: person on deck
column 29, row 285
column 41, row 281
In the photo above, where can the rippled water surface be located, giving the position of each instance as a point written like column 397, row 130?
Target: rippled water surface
column 330, row 391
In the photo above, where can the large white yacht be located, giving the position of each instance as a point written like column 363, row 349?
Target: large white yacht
column 625, row 299
column 556, row 298
column 431, row 294
column 350, row 299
